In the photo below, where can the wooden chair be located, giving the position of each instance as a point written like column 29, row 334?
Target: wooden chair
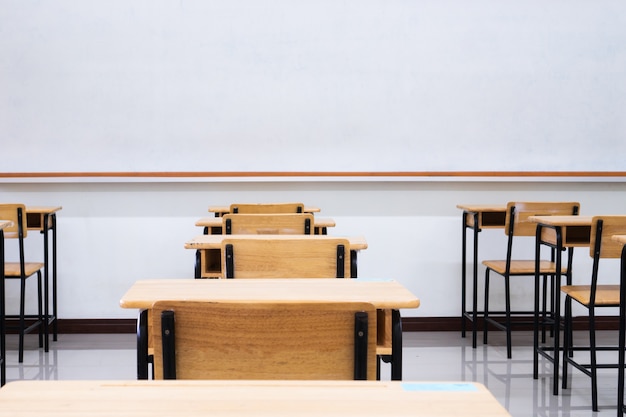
column 267, row 224
column 22, row 270
column 277, row 340
column 266, row 208
column 306, row 257
column 591, row 296
column 517, row 225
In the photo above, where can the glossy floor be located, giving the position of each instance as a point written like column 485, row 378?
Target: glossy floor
column 433, row 356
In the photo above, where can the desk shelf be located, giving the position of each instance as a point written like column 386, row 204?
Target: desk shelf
column 573, row 236
column 486, row 220
column 211, row 263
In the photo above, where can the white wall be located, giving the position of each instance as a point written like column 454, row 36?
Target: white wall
column 112, row 234
column 157, row 85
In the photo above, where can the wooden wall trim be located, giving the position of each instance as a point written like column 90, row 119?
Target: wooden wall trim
column 356, row 174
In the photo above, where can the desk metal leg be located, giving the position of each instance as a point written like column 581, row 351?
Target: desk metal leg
column 473, row 317
column 46, row 282
column 622, row 336
column 556, row 300
column 396, row 346
column 197, row 273
column 54, row 278
column 3, row 366
column 50, row 225
column 142, row 345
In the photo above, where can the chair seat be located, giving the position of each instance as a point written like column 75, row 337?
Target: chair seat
column 606, row 295
column 12, row 269
column 523, row 267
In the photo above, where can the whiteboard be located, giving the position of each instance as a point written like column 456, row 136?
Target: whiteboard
column 302, row 85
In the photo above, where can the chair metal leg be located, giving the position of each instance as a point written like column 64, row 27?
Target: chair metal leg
column 40, row 319
column 507, row 301
column 486, row 309
column 567, row 339
column 593, row 365
column 22, row 319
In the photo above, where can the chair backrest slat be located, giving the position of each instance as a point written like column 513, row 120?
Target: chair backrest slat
column 307, row 257
column 266, row 208
column 610, row 225
column 523, row 210
column 11, row 212
column 267, row 224
column 275, row 340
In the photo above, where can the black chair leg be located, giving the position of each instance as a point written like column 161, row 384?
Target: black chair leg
column 507, row 301
column 40, row 309
column 567, row 340
column 486, row 309
column 593, row 368
column 22, row 319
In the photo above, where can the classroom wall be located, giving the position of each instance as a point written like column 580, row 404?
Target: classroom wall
column 111, row 234
column 324, row 85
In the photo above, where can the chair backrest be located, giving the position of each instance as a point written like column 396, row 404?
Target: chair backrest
column 267, row 224
column 15, row 213
column 278, row 340
column 602, row 229
column 266, row 208
column 287, row 257
column 517, row 215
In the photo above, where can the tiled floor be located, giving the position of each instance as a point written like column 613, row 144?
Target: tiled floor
column 435, row 356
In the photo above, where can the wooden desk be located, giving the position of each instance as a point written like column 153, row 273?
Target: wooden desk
column 475, row 217
column 44, row 220
column 384, row 294
column 214, row 226
column 176, row 398
column 3, row 365
column 209, row 251
column 558, row 232
column 621, row 407
column 221, row 210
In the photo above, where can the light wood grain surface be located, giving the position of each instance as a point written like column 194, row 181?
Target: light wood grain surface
column 384, row 294
column 215, row 241
column 479, row 208
column 218, row 222
column 247, row 398
column 288, row 341
column 619, row 238
column 562, row 220
column 221, row 210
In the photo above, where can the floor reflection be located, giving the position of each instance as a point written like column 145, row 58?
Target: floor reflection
column 432, row 356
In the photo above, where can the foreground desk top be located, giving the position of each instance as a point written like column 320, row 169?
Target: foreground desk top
column 247, row 398
column 215, row 241
column 384, row 294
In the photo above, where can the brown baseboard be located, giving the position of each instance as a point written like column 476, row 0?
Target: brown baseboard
column 97, row 326
column 453, row 324
column 409, row 324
